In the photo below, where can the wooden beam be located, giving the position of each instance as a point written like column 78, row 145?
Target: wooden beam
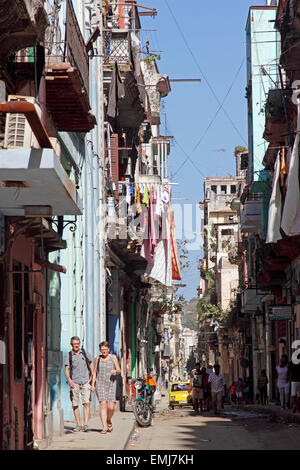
column 146, row 13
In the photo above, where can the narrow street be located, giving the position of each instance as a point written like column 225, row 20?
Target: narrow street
column 149, row 225
column 235, row 429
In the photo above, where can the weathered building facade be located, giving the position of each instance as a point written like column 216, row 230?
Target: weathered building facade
column 87, row 232
column 222, row 330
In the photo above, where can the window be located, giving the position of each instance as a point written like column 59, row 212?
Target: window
column 180, row 387
column 227, row 232
column 223, row 189
column 233, row 189
column 214, row 188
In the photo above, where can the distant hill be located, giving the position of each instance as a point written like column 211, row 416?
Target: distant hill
column 190, row 314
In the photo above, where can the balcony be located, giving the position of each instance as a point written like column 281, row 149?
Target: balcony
column 119, row 50
column 275, row 127
column 33, row 183
column 22, row 24
column 287, row 24
column 44, row 231
column 67, row 81
column 117, row 47
column 158, row 86
column 251, row 216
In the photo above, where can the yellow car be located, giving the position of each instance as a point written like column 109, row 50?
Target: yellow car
column 179, row 395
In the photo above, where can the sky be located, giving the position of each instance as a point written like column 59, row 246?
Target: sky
column 208, row 119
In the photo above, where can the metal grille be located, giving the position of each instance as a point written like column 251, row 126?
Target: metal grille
column 116, row 48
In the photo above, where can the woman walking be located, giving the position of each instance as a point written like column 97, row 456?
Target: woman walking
column 281, row 373
column 105, row 384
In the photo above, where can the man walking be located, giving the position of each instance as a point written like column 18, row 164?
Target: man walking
column 79, row 370
column 294, row 376
column 217, row 381
column 196, row 385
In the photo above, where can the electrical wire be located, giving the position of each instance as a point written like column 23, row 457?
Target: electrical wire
column 202, row 73
column 211, row 122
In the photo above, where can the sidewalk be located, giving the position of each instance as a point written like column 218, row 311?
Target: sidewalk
column 123, row 423
column 274, row 410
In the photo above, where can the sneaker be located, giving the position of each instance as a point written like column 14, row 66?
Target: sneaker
column 85, row 428
column 77, row 428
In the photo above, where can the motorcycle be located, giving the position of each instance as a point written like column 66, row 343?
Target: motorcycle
column 143, row 404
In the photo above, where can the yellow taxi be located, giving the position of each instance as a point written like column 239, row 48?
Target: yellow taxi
column 179, row 395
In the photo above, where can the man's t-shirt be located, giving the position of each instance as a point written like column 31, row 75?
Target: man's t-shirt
column 217, row 382
column 294, row 370
column 80, row 372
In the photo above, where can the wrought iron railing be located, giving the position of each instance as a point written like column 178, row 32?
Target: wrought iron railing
column 116, row 47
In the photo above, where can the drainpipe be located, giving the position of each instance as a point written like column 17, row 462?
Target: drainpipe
column 102, row 195
column 94, row 78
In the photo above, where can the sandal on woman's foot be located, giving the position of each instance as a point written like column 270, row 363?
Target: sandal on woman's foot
column 104, row 431
column 110, row 428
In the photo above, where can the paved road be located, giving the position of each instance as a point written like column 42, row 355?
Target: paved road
column 235, row 429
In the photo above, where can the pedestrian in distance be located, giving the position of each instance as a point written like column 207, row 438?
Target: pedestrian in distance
column 150, row 380
column 239, row 386
column 218, row 384
column 294, row 376
column 104, row 382
column 206, row 389
column 281, row 373
column 209, row 370
column 262, row 385
column 79, row 371
column 196, row 386
column 232, row 392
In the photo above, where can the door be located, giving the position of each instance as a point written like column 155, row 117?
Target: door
column 28, row 376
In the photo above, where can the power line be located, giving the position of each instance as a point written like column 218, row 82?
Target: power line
column 212, row 120
column 201, row 71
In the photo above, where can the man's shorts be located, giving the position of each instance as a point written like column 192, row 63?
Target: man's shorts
column 83, row 391
column 295, row 390
column 239, row 394
column 197, row 393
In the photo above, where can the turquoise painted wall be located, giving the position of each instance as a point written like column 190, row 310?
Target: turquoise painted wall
column 262, row 46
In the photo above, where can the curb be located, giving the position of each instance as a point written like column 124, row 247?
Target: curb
column 129, row 435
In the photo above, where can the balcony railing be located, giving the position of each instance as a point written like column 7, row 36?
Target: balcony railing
column 116, row 47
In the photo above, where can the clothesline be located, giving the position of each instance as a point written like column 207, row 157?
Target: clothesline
column 149, row 182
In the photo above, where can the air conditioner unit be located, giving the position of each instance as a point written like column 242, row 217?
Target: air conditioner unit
column 18, row 132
